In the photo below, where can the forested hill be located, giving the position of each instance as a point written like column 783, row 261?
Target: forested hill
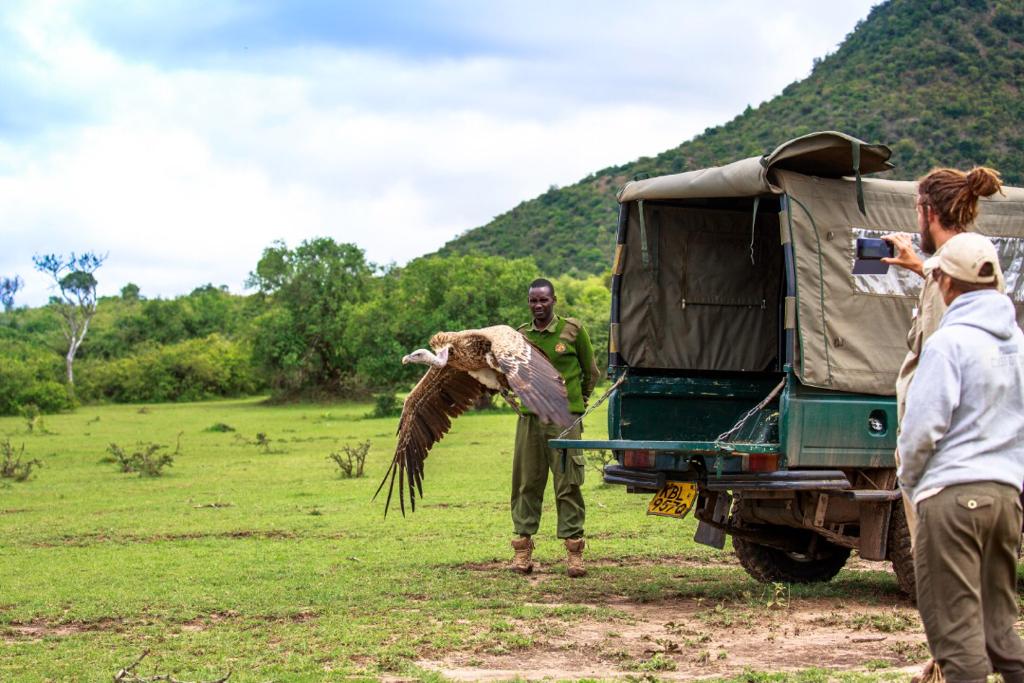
column 937, row 80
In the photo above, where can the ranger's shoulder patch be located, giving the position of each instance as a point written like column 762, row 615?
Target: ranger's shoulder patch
column 570, row 329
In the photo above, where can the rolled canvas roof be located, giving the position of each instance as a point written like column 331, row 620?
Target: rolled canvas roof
column 851, row 329
column 828, row 154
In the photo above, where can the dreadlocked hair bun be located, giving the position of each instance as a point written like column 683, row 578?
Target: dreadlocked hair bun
column 984, row 182
column 953, row 195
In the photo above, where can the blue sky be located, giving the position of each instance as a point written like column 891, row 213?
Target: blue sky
column 184, row 137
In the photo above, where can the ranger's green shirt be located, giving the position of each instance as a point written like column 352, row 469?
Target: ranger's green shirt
column 567, row 345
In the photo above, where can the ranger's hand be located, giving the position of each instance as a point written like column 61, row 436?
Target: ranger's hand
column 906, row 256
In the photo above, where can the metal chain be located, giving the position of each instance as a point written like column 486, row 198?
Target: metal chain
column 591, row 409
column 736, row 427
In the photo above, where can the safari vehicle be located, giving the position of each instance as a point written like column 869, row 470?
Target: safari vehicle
column 753, row 372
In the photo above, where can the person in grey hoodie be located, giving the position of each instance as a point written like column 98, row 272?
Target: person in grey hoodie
column 962, row 464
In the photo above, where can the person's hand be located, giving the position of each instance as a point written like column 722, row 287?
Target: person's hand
column 905, row 256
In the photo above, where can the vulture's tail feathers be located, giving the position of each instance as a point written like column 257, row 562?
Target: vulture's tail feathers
column 391, row 488
column 401, row 489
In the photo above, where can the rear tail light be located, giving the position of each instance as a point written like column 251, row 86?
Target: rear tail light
column 760, row 462
column 639, row 459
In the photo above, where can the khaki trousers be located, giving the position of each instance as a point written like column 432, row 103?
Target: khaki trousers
column 966, row 565
column 530, row 466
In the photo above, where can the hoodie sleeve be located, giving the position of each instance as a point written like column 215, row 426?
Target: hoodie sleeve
column 933, row 396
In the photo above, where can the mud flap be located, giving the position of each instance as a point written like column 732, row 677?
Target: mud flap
column 874, row 529
column 712, row 534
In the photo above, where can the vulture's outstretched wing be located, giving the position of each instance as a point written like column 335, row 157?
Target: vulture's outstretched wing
column 442, row 394
column 530, row 374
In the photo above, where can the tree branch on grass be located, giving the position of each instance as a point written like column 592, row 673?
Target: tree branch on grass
column 128, row 675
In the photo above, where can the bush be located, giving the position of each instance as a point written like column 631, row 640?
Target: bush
column 220, row 427
column 147, row 460
column 30, row 375
column 386, row 405
column 14, row 468
column 598, row 459
column 351, row 463
column 262, row 441
column 191, row 370
column 33, row 420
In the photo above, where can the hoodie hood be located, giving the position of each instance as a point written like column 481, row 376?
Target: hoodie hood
column 988, row 310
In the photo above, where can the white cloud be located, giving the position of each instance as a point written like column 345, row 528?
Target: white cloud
column 184, row 174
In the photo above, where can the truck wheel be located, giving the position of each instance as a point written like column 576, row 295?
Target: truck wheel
column 900, row 552
column 771, row 564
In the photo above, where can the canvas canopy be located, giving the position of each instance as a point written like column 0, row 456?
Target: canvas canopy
column 702, row 282
column 828, row 154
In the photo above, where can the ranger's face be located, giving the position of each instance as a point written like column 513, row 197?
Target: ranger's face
column 542, row 304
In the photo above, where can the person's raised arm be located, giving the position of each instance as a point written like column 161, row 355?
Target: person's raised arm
column 905, row 256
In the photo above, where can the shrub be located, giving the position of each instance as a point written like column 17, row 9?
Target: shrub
column 386, row 405
column 263, row 441
column 220, row 427
column 33, row 420
column 191, row 370
column 597, row 459
column 350, row 465
column 30, row 375
column 147, row 459
column 14, row 468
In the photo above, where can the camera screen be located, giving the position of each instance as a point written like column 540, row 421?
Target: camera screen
column 869, row 248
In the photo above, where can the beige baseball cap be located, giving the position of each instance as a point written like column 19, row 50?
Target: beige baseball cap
column 964, row 255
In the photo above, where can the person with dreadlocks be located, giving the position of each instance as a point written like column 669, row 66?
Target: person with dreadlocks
column 947, row 205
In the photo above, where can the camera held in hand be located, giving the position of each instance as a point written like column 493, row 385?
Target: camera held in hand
column 873, row 249
column 869, row 252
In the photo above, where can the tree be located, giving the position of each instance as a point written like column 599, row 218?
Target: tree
column 76, row 305
column 130, row 292
column 431, row 294
column 304, row 337
column 9, row 286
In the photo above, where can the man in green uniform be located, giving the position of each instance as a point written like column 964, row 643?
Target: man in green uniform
column 567, row 345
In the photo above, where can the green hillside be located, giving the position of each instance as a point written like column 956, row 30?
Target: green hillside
column 939, row 81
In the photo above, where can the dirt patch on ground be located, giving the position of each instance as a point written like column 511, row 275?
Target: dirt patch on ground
column 693, row 639
column 82, row 540
column 542, row 571
column 38, row 629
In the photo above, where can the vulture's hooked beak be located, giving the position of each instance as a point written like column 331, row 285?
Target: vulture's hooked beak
column 418, row 356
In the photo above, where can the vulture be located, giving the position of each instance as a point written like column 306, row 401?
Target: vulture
column 464, row 367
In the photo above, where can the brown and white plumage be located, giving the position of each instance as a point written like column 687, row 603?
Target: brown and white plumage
column 466, row 366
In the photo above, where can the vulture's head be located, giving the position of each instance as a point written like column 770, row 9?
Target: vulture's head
column 426, row 357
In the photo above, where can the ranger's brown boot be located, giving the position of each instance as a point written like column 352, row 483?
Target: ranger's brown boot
column 930, row 674
column 574, row 561
column 523, row 560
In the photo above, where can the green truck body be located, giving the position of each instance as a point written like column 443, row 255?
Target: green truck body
column 749, row 361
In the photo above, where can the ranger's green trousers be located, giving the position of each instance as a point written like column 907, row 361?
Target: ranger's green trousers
column 530, row 466
column 965, row 558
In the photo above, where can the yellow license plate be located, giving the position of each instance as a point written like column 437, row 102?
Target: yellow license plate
column 674, row 499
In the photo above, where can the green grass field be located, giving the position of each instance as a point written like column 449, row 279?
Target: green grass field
column 263, row 561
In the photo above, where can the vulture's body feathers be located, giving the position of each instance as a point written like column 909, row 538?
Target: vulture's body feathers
column 466, row 366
